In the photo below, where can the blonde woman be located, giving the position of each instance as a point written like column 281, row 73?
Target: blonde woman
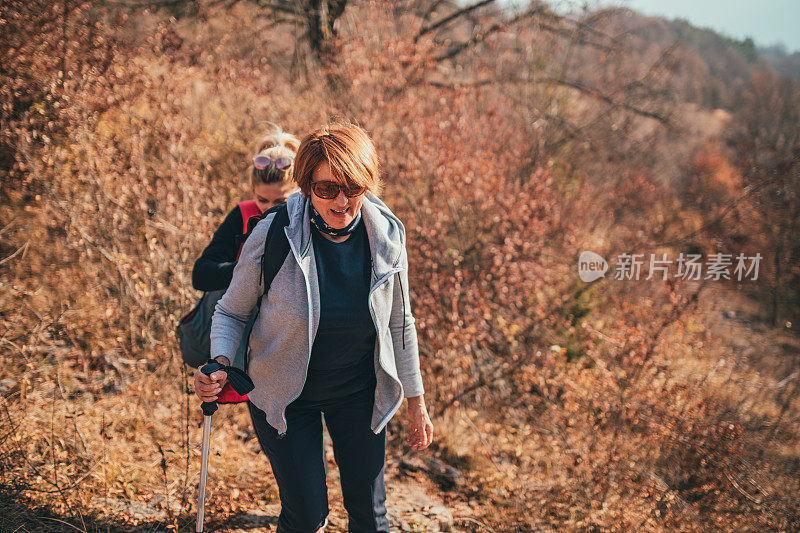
column 271, row 183
column 334, row 336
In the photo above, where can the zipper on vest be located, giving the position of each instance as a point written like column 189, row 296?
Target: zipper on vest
column 403, row 299
column 310, row 340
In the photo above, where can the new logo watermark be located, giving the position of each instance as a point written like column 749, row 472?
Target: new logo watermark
column 592, row 266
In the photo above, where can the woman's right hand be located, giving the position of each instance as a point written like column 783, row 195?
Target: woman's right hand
column 208, row 387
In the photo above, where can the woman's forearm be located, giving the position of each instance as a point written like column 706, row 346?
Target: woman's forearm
column 227, row 330
column 213, row 270
column 211, row 275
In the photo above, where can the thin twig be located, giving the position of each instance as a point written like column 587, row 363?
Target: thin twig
column 482, row 439
column 22, row 249
column 753, row 499
column 63, row 522
column 72, row 414
column 474, row 521
column 7, row 226
column 36, row 471
column 185, row 428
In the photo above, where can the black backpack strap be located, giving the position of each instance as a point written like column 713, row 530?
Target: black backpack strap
column 276, row 250
column 276, row 246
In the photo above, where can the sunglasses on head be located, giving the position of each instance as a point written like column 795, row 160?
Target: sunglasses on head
column 261, row 162
column 330, row 189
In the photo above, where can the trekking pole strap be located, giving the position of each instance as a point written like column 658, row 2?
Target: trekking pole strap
column 240, row 382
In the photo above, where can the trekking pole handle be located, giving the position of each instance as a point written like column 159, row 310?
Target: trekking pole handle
column 238, row 379
column 209, row 408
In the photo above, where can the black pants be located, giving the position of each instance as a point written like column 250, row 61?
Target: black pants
column 298, row 463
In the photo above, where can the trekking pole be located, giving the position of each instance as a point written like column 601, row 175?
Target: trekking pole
column 208, row 409
column 242, row 384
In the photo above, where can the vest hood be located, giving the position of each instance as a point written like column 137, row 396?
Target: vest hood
column 385, row 231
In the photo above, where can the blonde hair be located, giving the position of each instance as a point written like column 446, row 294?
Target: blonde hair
column 274, row 143
column 349, row 152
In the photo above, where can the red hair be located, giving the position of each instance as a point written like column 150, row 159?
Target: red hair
column 349, row 152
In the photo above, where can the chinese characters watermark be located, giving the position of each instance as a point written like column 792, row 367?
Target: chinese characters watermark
column 592, row 266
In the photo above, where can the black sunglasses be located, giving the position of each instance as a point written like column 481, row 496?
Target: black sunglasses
column 330, row 189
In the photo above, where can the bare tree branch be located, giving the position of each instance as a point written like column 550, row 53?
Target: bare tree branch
column 591, row 91
column 451, row 17
column 480, row 36
column 585, row 25
column 567, row 33
column 596, row 93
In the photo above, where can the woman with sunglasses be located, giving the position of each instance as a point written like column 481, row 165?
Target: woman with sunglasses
column 334, row 336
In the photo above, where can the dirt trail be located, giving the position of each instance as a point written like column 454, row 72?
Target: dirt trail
column 734, row 320
column 413, row 502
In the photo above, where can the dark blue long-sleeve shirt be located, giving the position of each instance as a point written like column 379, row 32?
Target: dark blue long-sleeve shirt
column 342, row 356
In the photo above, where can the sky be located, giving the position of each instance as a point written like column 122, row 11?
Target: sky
column 768, row 22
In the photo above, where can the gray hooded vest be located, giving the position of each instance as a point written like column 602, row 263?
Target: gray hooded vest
column 282, row 337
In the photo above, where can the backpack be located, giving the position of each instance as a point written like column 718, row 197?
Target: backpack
column 194, row 329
